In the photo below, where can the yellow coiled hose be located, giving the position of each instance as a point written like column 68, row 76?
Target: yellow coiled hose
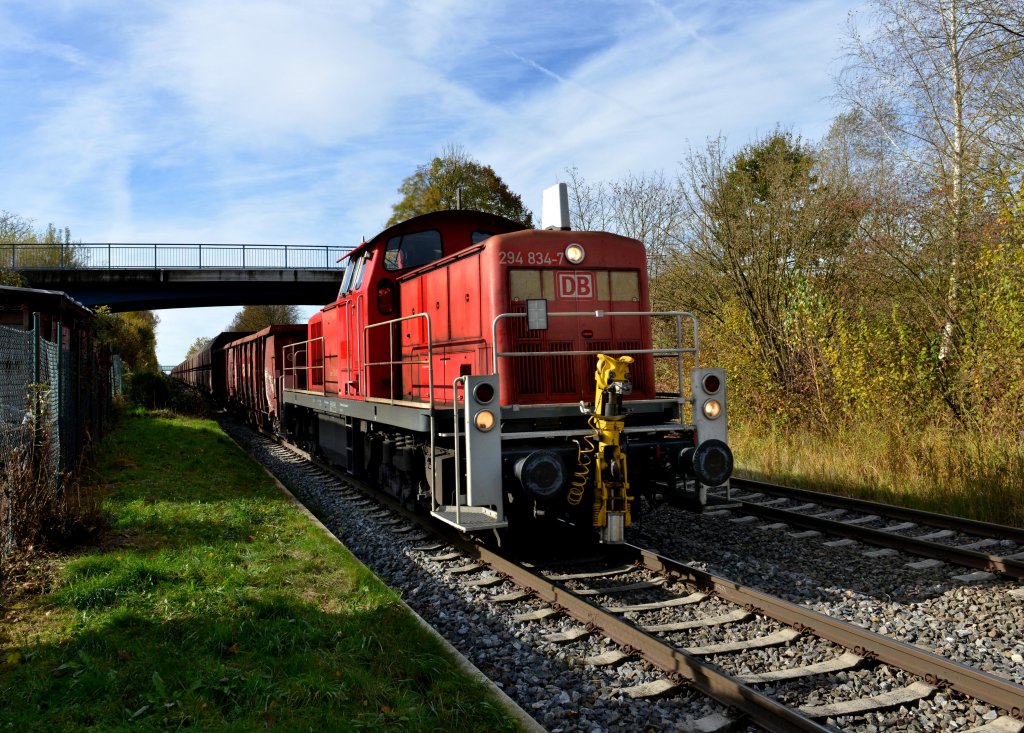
column 583, row 461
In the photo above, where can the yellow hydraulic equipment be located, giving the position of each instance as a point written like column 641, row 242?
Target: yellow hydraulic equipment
column 611, row 485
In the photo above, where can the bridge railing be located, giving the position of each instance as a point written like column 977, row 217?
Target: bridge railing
column 171, row 256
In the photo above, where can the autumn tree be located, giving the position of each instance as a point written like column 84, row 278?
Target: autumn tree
column 50, row 246
column 456, row 180
column 132, row 335
column 257, row 317
column 198, row 345
column 766, row 241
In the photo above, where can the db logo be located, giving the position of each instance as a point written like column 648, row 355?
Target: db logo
column 575, row 285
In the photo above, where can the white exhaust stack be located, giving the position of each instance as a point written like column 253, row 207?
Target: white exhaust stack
column 554, row 210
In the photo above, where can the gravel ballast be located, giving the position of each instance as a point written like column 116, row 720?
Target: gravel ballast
column 552, row 684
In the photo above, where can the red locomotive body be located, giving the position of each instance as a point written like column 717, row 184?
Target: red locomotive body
column 495, row 375
column 432, row 308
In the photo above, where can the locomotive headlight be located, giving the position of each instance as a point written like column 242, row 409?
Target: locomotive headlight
column 712, row 409
column 484, row 420
column 575, row 254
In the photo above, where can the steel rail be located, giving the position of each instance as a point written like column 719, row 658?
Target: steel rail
column 761, row 709
column 1011, row 568
column 708, row 679
column 711, row 681
column 936, row 670
column 932, row 519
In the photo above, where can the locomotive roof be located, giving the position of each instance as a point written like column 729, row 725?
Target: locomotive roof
column 437, row 220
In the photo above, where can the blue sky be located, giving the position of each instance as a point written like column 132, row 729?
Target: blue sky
column 295, row 121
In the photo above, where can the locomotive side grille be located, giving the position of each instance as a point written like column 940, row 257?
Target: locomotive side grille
column 529, row 373
column 517, row 325
column 562, row 375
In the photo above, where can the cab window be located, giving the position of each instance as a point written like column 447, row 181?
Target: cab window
column 346, row 279
column 406, row 251
column 353, row 277
column 357, row 279
column 480, row 236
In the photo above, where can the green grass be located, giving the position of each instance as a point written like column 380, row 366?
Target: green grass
column 215, row 605
column 969, row 475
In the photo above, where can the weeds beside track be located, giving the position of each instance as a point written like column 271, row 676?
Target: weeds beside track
column 213, row 603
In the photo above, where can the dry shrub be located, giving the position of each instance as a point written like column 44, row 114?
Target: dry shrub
column 40, row 507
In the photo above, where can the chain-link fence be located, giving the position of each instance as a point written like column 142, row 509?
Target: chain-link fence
column 55, row 398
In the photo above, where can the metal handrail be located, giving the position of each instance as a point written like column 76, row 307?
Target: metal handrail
column 106, row 256
column 391, row 363
column 458, row 452
column 294, row 369
column 429, row 361
column 676, row 352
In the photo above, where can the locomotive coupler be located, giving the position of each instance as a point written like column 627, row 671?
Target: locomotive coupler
column 611, row 484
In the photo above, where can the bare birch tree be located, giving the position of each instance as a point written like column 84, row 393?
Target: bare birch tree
column 645, row 206
column 937, row 79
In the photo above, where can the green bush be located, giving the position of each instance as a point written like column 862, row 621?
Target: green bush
column 148, row 389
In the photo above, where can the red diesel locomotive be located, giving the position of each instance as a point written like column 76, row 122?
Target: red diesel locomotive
column 500, row 376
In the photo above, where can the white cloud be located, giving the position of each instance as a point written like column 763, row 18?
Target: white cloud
column 276, row 74
column 296, row 120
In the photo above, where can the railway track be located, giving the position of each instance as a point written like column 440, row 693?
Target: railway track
column 984, row 547
column 769, row 662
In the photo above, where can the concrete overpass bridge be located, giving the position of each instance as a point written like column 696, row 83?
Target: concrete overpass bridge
column 130, row 277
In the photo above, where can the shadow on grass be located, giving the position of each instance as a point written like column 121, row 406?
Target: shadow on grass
column 219, row 607
column 270, row 663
